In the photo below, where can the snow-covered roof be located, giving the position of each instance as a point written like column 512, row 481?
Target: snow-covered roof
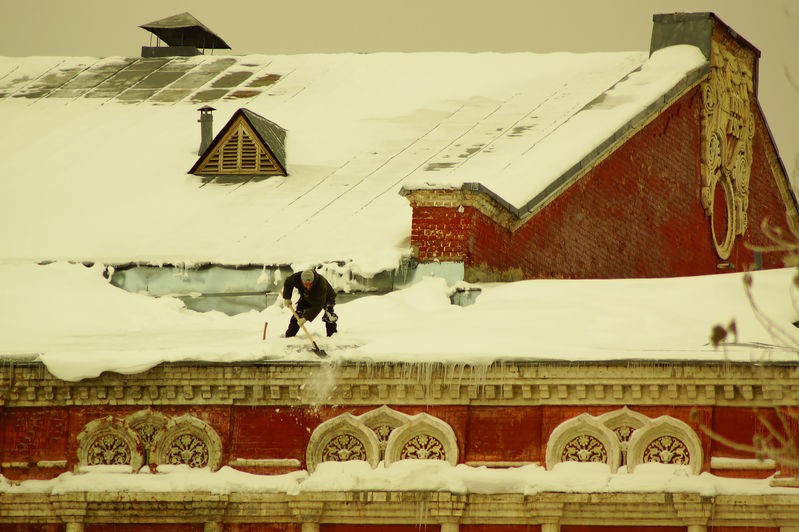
column 95, row 152
column 71, row 319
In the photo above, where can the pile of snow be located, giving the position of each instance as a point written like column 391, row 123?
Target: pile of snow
column 405, row 475
column 74, row 321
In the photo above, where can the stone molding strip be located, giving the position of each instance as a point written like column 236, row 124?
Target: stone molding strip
column 500, row 464
column 505, row 383
column 265, row 462
column 363, row 507
column 742, row 464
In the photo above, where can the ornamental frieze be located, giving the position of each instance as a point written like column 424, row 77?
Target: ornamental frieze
column 187, row 440
column 584, row 438
column 666, row 440
column 423, row 447
column 394, row 383
column 187, row 449
column 108, row 449
column 182, row 440
column 667, row 450
column 728, row 126
column 109, row 441
column 343, row 448
column 584, row 448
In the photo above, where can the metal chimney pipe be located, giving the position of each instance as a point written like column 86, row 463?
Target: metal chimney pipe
column 206, row 128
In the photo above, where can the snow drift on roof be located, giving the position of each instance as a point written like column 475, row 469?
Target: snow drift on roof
column 69, row 317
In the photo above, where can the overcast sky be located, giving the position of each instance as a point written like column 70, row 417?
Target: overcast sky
column 102, row 28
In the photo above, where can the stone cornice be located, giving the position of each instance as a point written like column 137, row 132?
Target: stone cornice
column 404, row 507
column 506, row 383
column 472, row 195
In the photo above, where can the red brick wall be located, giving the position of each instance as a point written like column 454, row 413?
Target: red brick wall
column 764, row 201
column 638, row 213
column 484, row 433
column 440, row 233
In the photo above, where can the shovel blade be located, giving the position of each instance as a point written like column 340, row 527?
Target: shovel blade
column 320, row 352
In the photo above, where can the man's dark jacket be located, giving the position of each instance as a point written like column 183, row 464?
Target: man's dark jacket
column 312, row 301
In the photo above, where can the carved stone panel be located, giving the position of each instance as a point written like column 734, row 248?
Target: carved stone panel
column 423, row 437
column 109, row 441
column 583, row 439
column 340, row 439
column 147, row 424
column 423, row 447
column 185, row 448
column 382, row 421
column 344, row 447
column 624, row 422
column 584, row 448
column 666, row 441
column 667, row 450
column 728, row 126
column 187, row 440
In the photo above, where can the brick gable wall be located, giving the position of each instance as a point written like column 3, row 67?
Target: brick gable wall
column 637, row 213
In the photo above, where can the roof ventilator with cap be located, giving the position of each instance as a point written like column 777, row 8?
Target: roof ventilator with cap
column 183, row 34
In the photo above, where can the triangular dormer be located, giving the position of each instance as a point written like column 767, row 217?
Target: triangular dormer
column 248, row 146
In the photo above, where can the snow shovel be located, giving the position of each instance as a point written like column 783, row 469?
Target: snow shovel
column 319, row 352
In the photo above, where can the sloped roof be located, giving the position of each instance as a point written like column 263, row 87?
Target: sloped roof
column 185, row 30
column 271, row 133
column 96, row 150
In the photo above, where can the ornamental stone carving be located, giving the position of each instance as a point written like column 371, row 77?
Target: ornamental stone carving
column 187, row 449
column 146, row 424
column 583, row 439
column 667, row 450
column 382, row 434
column 343, row 448
column 728, row 126
column 382, row 421
column 109, row 441
column 423, row 437
column 187, row 440
column 584, row 448
column 666, row 441
column 341, row 439
column 624, row 422
column 423, row 447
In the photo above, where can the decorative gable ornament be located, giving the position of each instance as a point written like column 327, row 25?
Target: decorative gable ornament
column 248, row 146
column 728, row 128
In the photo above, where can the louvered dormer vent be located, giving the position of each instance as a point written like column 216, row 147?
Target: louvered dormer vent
column 248, row 146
